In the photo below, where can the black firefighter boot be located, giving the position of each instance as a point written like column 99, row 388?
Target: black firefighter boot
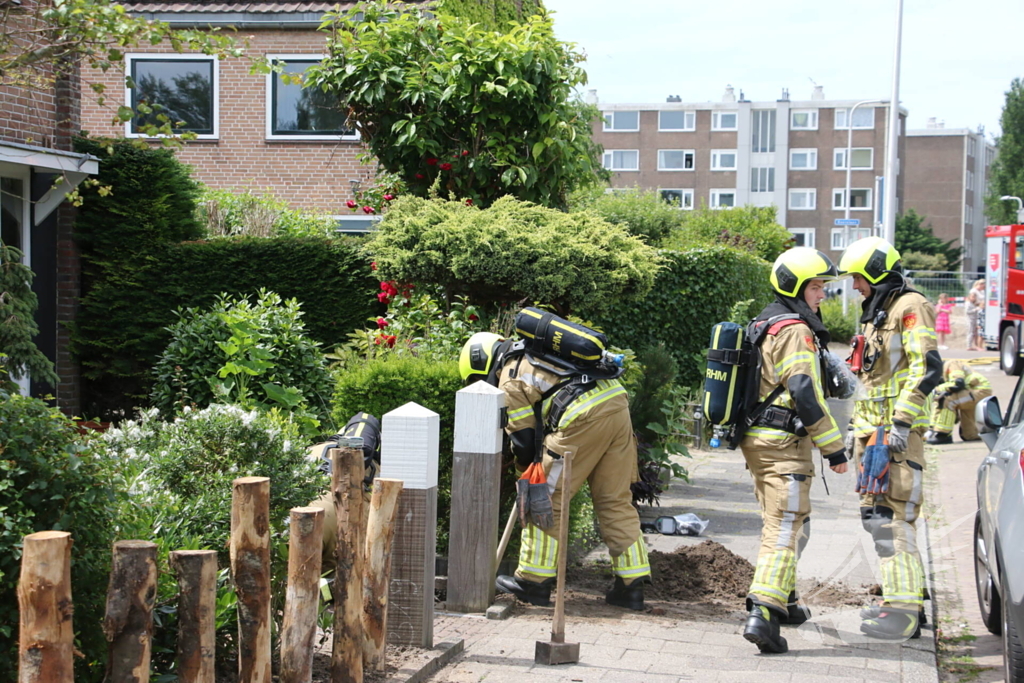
column 528, row 591
column 762, row 628
column 796, row 611
column 630, row 597
column 873, row 611
column 892, row 624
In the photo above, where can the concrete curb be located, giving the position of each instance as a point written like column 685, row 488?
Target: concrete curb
column 446, row 653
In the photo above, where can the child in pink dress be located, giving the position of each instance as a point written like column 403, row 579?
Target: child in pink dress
column 942, row 319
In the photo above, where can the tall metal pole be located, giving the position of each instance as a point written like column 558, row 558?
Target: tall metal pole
column 889, row 221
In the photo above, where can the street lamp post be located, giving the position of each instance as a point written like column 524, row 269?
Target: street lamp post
column 1020, row 206
column 889, row 219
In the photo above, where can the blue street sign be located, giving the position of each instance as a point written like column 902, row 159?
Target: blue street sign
column 853, row 222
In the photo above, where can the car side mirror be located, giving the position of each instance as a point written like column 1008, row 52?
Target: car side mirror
column 988, row 415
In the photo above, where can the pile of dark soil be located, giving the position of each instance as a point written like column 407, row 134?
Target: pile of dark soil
column 698, row 573
column 819, row 594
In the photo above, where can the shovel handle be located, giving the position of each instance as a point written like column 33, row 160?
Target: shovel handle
column 558, row 624
column 506, row 536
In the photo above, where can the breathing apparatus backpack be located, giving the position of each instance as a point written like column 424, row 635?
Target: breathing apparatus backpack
column 366, row 427
column 733, row 378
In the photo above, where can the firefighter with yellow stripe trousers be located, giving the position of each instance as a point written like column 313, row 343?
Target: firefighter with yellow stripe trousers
column 897, row 359
column 955, row 398
column 778, row 445
column 595, row 429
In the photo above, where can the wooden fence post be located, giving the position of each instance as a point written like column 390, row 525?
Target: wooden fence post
column 347, row 490
column 197, row 613
column 250, row 571
column 409, row 452
column 476, row 487
column 128, row 623
column 380, row 532
column 303, row 596
column 45, row 638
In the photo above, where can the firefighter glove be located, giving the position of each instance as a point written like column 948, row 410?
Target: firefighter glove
column 849, row 441
column 940, row 399
column 874, row 465
column 960, row 384
column 899, row 437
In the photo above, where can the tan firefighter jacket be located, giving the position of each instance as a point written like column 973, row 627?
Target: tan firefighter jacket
column 953, row 370
column 901, row 366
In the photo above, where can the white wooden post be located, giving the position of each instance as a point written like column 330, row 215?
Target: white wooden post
column 409, row 448
column 476, row 484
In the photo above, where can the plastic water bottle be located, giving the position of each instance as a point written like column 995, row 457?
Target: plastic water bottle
column 716, row 436
column 616, row 359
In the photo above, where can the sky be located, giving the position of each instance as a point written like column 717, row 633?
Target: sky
column 958, row 56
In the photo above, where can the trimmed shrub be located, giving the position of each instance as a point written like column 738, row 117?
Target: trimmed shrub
column 123, row 325
column 841, row 327
column 233, row 212
column 643, row 212
column 747, row 228
column 695, row 290
column 52, row 478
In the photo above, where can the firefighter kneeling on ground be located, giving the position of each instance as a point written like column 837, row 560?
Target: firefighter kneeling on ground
column 778, row 446
column 900, row 365
column 596, row 431
column 954, row 398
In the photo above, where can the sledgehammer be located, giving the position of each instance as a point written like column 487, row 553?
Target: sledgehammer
column 557, row 651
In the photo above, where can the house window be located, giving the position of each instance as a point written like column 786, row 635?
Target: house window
column 675, row 159
column 723, row 199
column 762, row 179
column 970, row 147
column 863, row 158
column 621, row 121
column 803, row 159
column 863, row 117
column 970, row 180
column 860, row 198
column 680, row 199
column 839, row 236
column 676, row 120
column 803, row 119
column 723, row 160
column 803, row 199
column 180, row 87
column 803, row 237
column 723, row 120
column 622, row 160
column 762, row 134
column 357, row 225
column 970, row 215
column 295, row 112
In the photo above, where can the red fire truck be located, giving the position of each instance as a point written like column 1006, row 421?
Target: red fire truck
column 1004, row 295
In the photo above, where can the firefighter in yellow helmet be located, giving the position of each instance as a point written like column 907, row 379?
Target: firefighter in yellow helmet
column 778, row 446
column 595, row 428
column 955, row 399
column 900, row 368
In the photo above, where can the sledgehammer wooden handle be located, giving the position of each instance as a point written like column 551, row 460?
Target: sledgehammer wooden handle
column 558, row 625
column 505, row 537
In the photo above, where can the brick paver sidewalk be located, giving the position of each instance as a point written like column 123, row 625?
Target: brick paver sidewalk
column 641, row 647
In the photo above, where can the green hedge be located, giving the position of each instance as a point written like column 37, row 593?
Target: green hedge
column 694, row 290
column 121, row 328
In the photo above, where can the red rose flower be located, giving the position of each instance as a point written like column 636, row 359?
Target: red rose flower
column 419, row 176
column 446, row 166
column 369, row 209
column 350, row 204
column 473, row 317
column 469, row 202
column 382, row 323
column 465, row 152
column 431, row 161
column 384, row 298
column 373, row 265
column 388, row 197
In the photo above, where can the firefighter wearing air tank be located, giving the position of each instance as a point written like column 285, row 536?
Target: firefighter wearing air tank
column 899, row 365
column 595, row 429
column 955, row 399
column 777, row 447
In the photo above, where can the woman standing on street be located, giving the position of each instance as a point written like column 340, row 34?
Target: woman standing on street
column 975, row 300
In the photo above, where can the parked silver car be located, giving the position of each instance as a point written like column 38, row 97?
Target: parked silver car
column 999, row 528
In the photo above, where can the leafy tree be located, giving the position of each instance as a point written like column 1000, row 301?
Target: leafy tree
column 913, row 236
column 442, row 101
column 643, row 212
column 748, row 228
column 1007, row 173
column 17, row 323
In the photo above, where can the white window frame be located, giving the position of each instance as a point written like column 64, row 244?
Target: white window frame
column 813, row 157
column 609, row 154
column 669, row 169
column 812, row 115
column 687, row 196
column 130, row 58
column 846, row 113
column 359, row 221
column 969, row 215
column 838, row 235
column 839, row 199
column 769, row 179
column 811, row 193
column 613, row 129
column 808, row 233
column 838, row 165
column 716, row 120
column 970, row 180
column 716, row 198
column 716, row 158
column 689, row 122
column 269, row 132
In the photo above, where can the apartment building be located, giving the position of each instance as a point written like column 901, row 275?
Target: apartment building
column 788, row 153
column 946, row 182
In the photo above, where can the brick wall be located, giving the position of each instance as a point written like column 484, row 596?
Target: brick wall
column 306, row 174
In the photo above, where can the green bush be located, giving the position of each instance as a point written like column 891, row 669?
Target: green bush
column 748, row 228
column 696, row 289
column 52, row 478
column 643, row 212
column 841, row 327
column 514, row 250
column 234, row 349
column 18, row 303
column 123, row 324
column 231, row 212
